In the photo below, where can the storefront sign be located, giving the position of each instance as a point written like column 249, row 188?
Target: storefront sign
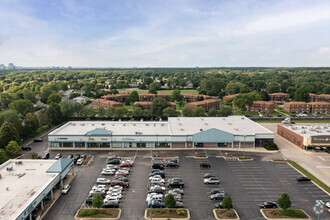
column 325, row 139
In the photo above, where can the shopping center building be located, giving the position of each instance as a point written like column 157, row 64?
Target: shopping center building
column 29, row 187
column 177, row 132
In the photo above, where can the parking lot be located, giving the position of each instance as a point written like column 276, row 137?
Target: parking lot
column 248, row 183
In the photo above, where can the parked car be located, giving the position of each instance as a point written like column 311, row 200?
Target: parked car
column 126, row 164
column 219, row 205
column 268, row 205
column 110, row 204
column 58, row 156
column 156, row 204
column 160, row 173
column 37, row 140
column 171, row 164
column 175, row 184
column 119, row 183
column 102, row 181
column 215, row 191
column 26, row 147
column 121, row 178
column 101, row 187
column 108, row 172
column 212, row 180
column 303, row 179
column 114, row 161
column 116, row 188
column 177, row 191
column 178, row 204
column 159, row 166
column 154, row 196
column 76, row 157
column 80, row 161
column 70, row 156
column 46, row 156
column 208, row 175
column 89, row 200
column 172, row 161
column 204, row 164
column 218, row 196
column 66, row 189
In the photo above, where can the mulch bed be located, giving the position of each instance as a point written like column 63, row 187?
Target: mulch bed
column 224, row 214
column 104, row 213
column 275, row 213
column 167, row 214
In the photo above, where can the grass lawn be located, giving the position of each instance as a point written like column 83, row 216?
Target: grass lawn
column 240, row 112
column 309, row 175
column 98, row 213
column 129, row 107
column 226, row 214
column 288, row 213
column 141, row 91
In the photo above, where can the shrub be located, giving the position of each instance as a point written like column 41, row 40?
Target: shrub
column 221, row 211
column 227, row 203
column 170, row 201
column 97, row 201
column 87, row 212
column 274, row 212
column 284, row 201
column 294, row 213
column 271, row 146
column 181, row 211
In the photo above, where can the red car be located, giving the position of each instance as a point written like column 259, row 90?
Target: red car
column 126, row 164
column 119, row 183
column 120, row 174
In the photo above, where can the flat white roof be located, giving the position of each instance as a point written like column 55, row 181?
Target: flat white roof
column 115, row 127
column 19, row 187
column 237, row 125
column 309, row 130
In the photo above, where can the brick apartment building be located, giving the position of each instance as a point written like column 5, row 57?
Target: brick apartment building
column 261, row 106
column 319, row 98
column 206, row 104
column 116, row 97
column 147, row 105
column 297, row 107
column 311, row 107
column 165, row 96
column 98, row 103
column 193, row 98
column 279, row 97
column 147, row 97
column 225, row 98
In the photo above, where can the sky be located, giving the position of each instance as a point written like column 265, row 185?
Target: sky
column 165, row 33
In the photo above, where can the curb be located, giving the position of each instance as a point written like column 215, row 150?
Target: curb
column 146, row 211
column 83, row 218
column 216, row 217
column 195, row 157
column 263, row 214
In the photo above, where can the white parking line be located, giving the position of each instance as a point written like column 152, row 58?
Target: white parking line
column 322, row 158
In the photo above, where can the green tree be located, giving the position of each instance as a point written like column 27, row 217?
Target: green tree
column 120, row 112
column 199, row 112
column 22, row 106
column 12, row 147
column 6, row 99
column 236, row 87
column 301, row 94
column 54, row 113
column 227, row 202
column 12, row 117
column 158, row 105
column 110, row 111
column 71, row 109
column 137, row 113
column 187, row 112
column 97, row 201
column 147, row 113
column 134, row 97
column 242, row 100
column 225, row 111
column 54, row 98
column 273, row 87
column 200, row 98
column 170, row 201
column 27, row 94
column 31, row 123
column 170, row 112
column 46, row 92
column 176, row 96
column 127, row 102
column 212, row 112
column 154, row 87
column 8, row 133
column 284, row 201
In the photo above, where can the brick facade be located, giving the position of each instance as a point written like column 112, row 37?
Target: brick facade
column 206, row 104
column 225, row 98
column 98, row 103
column 303, row 107
column 193, row 98
column 147, row 105
column 282, row 97
column 290, row 136
column 148, row 97
column 261, row 106
column 319, row 98
column 116, row 97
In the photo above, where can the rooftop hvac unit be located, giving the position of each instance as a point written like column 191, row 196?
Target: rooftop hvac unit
column 206, row 123
column 92, row 124
column 201, row 129
column 303, row 132
column 103, row 124
column 147, row 124
column 181, row 129
column 162, row 125
column 180, row 124
column 134, row 124
column 82, row 124
column 124, row 124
